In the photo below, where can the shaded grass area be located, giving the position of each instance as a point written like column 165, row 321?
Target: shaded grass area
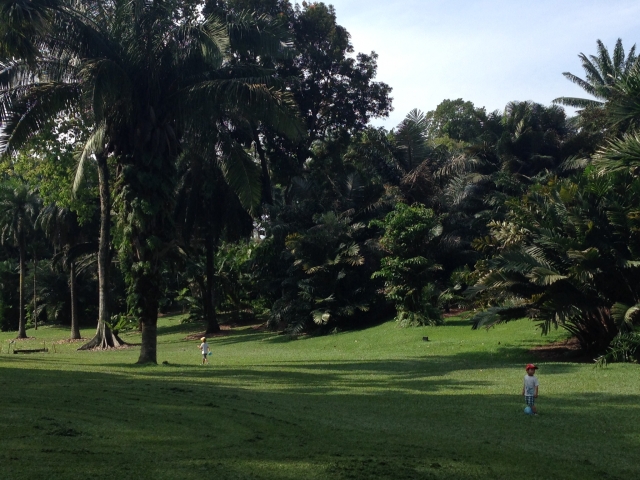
column 375, row 404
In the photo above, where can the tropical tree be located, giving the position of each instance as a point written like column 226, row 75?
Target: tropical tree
column 566, row 255
column 334, row 88
column 207, row 212
column 456, row 120
column 149, row 76
column 38, row 85
column 409, row 268
column 327, row 289
column 62, row 228
column 602, row 71
column 18, row 210
column 411, row 136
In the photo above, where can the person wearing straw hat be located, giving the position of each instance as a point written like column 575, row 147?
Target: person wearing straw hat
column 204, row 348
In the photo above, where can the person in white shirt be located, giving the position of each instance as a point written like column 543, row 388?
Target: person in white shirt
column 204, row 348
column 530, row 387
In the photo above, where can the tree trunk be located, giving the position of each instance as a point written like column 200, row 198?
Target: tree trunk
column 149, row 348
column 148, row 308
column 209, row 294
column 35, row 316
column 22, row 332
column 104, row 337
column 75, row 327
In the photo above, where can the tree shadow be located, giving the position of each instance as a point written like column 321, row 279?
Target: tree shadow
column 253, row 423
column 185, row 328
column 420, row 374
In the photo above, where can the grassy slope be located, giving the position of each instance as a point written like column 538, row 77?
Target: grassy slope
column 372, row 404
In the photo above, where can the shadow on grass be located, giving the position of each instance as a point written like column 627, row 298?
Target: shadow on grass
column 464, row 321
column 420, row 375
column 70, row 424
column 184, row 328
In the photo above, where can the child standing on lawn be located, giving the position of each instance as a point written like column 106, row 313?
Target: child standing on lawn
column 204, row 348
column 530, row 388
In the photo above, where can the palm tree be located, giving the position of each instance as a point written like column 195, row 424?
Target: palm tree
column 411, row 136
column 150, row 76
column 18, row 210
column 329, row 268
column 566, row 255
column 602, row 71
column 410, row 240
column 62, row 228
column 208, row 210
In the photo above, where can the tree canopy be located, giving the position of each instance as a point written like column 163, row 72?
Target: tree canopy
column 217, row 156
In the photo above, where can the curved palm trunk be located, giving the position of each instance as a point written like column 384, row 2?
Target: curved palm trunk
column 104, row 337
column 75, row 327
column 22, row 332
column 35, row 316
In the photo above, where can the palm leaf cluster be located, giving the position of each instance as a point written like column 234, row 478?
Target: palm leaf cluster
column 566, row 256
column 408, row 268
column 602, row 72
column 327, row 269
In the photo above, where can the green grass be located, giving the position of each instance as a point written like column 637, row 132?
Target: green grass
column 373, row 404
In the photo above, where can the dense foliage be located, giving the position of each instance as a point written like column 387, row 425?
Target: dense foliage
column 217, row 157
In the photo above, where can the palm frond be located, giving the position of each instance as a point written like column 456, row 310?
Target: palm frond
column 625, row 315
column 33, row 111
column 625, row 104
column 242, row 174
column 107, row 88
column 94, row 145
column 574, row 163
column 542, row 276
column 621, row 154
column 618, row 58
column 260, row 34
column 576, row 102
column 496, row 315
column 249, row 98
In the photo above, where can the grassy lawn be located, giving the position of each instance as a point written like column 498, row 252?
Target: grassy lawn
column 373, row 404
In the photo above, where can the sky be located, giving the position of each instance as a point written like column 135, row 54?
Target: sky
column 489, row 52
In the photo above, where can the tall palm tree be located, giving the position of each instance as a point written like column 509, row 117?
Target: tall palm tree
column 61, row 226
column 149, row 75
column 411, row 136
column 207, row 210
column 18, row 210
column 602, row 71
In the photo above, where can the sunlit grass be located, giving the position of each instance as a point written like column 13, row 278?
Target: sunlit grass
column 376, row 403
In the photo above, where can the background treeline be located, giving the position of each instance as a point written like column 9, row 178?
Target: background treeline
column 217, row 158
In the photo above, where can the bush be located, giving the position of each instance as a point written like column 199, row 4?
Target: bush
column 410, row 239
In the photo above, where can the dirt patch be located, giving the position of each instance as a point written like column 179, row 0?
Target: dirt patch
column 120, row 347
column 564, row 351
column 454, row 312
column 224, row 331
column 262, row 327
column 69, row 340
